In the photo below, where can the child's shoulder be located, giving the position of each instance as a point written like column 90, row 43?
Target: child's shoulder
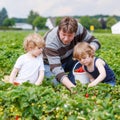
column 99, row 60
column 22, row 56
column 40, row 57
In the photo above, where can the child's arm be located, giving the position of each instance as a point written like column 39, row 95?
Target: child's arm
column 13, row 75
column 100, row 65
column 90, row 77
column 40, row 78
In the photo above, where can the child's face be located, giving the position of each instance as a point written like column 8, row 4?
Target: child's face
column 36, row 51
column 86, row 60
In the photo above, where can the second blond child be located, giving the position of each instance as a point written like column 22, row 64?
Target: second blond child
column 97, row 69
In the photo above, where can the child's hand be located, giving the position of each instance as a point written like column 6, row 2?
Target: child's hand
column 38, row 83
column 92, row 84
column 11, row 82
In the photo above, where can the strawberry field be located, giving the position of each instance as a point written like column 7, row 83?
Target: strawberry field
column 49, row 102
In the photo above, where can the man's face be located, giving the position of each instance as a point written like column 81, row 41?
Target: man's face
column 66, row 38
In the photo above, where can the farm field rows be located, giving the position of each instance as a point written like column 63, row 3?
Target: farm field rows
column 48, row 102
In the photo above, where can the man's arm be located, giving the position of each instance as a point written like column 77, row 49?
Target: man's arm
column 86, row 36
column 67, row 83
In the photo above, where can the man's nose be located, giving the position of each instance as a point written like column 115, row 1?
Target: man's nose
column 66, row 38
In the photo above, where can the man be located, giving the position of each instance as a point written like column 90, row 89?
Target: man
column 60, row 42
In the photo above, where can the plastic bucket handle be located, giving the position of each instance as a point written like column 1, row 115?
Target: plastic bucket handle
column 75, row 66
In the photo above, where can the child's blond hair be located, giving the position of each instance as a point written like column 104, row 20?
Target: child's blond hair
column 32, row 41
column 81, row 50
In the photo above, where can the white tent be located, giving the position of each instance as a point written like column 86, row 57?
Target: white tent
column 23, row 26
column 116, row 28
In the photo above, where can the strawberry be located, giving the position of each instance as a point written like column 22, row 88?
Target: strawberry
column 16, row 83
column 86, row 95
column 17, row 117
column 80, row 69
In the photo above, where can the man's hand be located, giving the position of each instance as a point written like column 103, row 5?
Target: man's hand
column 67, row 83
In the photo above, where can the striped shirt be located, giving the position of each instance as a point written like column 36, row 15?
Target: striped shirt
column 56, row 53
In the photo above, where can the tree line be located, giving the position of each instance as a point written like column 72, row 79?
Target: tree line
column 36, row 20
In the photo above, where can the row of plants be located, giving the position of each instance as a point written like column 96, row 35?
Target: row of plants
column 49, row 102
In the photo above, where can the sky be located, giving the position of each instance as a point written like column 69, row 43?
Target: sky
column 47, row 8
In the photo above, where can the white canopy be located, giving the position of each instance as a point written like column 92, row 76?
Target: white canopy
column 116, row 28
column 23, row 26
column 49, row 24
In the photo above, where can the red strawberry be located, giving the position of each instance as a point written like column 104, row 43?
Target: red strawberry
column 16, row 83
column 86, row 95
column 17, row 117
column 80, row 69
